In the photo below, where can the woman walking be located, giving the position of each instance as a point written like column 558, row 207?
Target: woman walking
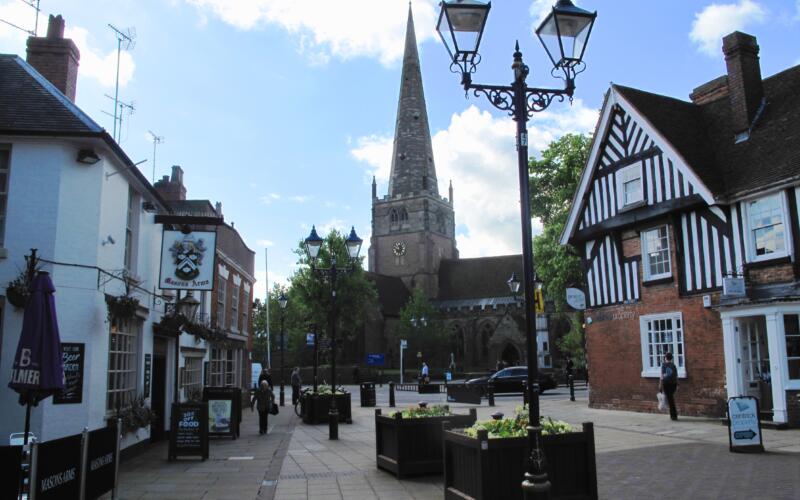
column 262, row 400
column 669, row 383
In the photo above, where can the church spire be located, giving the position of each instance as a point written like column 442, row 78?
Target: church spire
column 413, row 169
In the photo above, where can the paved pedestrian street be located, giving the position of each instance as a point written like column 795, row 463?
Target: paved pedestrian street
column 639, row 456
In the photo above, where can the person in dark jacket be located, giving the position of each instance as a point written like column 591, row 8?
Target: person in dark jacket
column 669, row 383
column 262, row 400
column 265, row 375
column 296, row 382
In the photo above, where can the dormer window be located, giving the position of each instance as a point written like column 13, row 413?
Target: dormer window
column 767, row 237
column 629, row 186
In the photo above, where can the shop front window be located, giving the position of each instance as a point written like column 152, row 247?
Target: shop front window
column 791, row 328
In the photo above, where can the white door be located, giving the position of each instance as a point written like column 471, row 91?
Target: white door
column 754, row 356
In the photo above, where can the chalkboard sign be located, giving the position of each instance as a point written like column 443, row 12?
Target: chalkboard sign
column 744, row 428
column 101, row 460
column 188, row 435
column 72, row 356
column 224, row 410
column 11, row 465
column 148, row 370
column 58, row 468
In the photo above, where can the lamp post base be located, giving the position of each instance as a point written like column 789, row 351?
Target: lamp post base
column 333, row 424
column 536, row 487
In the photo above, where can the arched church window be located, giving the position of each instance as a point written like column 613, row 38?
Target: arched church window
column 393, row 216
column 486, row 333
column 403, row 216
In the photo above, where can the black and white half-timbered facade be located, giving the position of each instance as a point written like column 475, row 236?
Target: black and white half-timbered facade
column 686, row 219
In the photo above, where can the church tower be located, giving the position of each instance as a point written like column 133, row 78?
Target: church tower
column 413, row 228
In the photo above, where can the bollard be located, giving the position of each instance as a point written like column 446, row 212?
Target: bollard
column 571, row 388
column 490, row 388
column 391, row 393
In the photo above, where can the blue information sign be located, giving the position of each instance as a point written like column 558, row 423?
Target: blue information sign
column 376, row 359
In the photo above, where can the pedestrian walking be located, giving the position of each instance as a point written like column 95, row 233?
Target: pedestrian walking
column 296, row 383
column 262, row 400
column 568, row 369
column 425, row 373
column 669, row 383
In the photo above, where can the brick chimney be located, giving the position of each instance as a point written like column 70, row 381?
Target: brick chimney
column 744, row 79
column 172, row 189
column 56, row 57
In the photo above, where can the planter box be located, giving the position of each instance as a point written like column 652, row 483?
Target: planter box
column 494, row 468
column 413, row 446
column 315, row 407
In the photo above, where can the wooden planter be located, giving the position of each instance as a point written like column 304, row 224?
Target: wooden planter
column 315, row 408
column 413, row 446
column 485, row 468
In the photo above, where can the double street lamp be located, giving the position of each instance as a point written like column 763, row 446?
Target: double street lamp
column 313, row 244
column 564, row 34
column 282, row 302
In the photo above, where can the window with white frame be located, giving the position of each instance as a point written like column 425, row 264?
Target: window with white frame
column 192, row 382
column 660, row 334
column 224, row 367
column 791, row 329
column 655, row 253
column 221, row 301
column 629, row 185
column 766, row 227
column 244, row 323
column 5, row 163
column 235, row 307
column 123, row 363
column 131, row 231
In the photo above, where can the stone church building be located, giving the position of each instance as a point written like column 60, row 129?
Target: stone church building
column 413, row 245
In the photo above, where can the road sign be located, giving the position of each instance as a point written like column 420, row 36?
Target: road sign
column 309, row 339
column 744, row 428
column 376, row 359
column 538, row 301
column 403, row 344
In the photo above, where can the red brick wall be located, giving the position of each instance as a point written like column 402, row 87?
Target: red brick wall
column 793, row 408
column 779, row 273
column 613, row 343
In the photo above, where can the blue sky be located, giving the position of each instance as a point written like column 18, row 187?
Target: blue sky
column 284, row 109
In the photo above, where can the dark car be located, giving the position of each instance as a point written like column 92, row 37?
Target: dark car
column 513, row 379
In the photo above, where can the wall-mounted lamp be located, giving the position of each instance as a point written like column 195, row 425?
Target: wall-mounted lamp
column 108, row 241
column 87, row 157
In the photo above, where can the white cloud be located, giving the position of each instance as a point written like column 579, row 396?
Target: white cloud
column 301, row 198
column 718, row 20
column 269, row 198
column 477, row 152
column 260, row 288
column 12, row 40
column 265, row 243
column 343, row 29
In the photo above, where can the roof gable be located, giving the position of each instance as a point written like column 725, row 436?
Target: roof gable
column 626, row 137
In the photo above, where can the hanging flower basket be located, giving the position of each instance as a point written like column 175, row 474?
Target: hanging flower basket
column 121, row 307
column 17, row 291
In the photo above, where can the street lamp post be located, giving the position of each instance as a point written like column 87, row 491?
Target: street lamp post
column 282, row 301
column 185, row 308
column 564, row 34
column 313, row 244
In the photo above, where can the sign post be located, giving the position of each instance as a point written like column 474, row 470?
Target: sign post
column 403, row 347
column 744, row 428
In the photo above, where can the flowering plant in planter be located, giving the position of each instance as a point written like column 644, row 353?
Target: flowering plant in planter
column 423, row 411
column 517, row 426
column 325, row 389
column 136, row 415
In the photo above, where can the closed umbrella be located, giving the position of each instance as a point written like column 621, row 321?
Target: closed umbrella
column 38, row 370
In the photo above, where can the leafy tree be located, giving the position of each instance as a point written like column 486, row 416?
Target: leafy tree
column 312, row 303
column 421, row 325
column 554, row 180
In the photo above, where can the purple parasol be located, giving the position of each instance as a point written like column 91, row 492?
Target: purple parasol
column 38, row 370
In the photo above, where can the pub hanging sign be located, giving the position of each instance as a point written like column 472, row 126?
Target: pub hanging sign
column 187, row 260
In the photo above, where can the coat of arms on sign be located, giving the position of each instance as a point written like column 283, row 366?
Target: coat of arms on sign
column 187, row 254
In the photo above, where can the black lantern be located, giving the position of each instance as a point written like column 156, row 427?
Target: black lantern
column 461, row 24
column 513, row 284
column 282, row 301
column 564, row 34
column 313, row 244
column 187, row 306
column 353, row 243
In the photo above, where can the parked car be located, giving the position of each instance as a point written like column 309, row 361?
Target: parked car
column 513, row 379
